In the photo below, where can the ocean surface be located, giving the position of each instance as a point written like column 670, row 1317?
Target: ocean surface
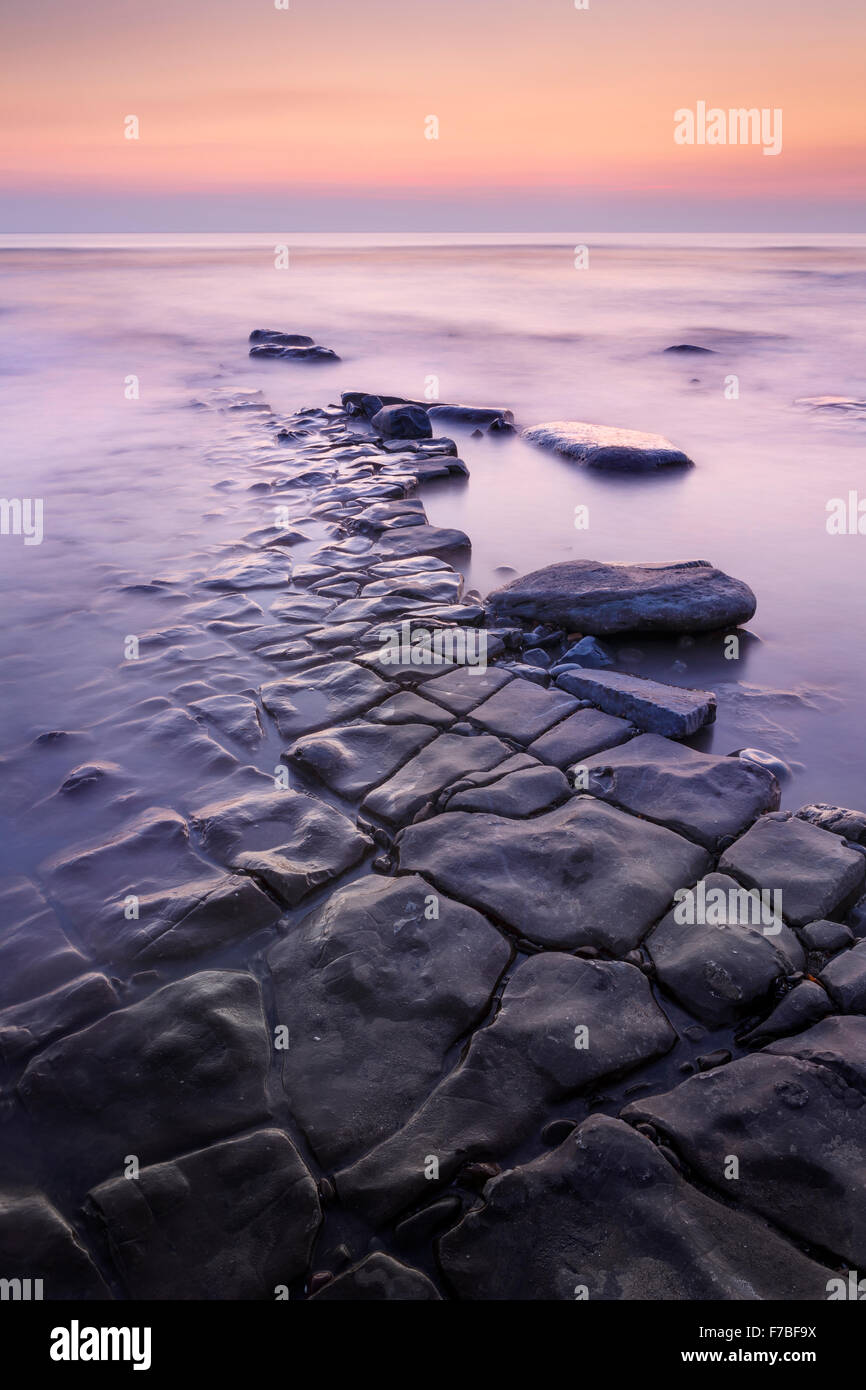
column 134, row 489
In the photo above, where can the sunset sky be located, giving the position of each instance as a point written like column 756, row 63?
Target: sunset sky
column 254, row 118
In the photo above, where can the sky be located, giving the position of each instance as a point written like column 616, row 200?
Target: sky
column 315, row 117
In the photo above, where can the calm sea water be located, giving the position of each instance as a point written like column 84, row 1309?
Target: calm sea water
column 130, row 488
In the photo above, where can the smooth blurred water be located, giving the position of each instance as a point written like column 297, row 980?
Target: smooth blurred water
column 128, row 485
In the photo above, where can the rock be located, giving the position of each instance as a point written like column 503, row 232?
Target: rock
column 354, row 759
column 35, row 952
column 468, row 416
column 721, row 971
column 586, row 732
column 845, row 980
column 428, row 1221
column 521, row 792
column 37, row 1243
column 826, row 937
column 814, row 871
column 584, row 874
column 838, row 819
column 672, row 711
column 294, row 354
column 537, row 657
column 704, row 797
column 409, row 708
column 601, row 446
column 605, row 1217
column 184, row 1066
column 402, row 422
column 402, row 541
column 273, row 335
column 324, row 695
column 596, row 598
column 379, row 1277
column 293, row 842
column 794, row 1116
column 563, row 1024
column 228, row 1222
column 233, row 715
column 24, row 1028
column 374, row 988
column 780, row 769
column 522, row 711
column 462, row 690
column 805, row 1004
column 256, row 569
column 588, row 652
column 690, row 348
column 444, row 760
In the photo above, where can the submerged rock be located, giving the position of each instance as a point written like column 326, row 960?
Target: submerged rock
column 600, row 446
column 591, row 597
column 294, row 842
column 605, row 1216
column 470, row 416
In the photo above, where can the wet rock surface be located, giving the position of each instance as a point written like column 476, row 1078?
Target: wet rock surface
column 601, row 446
column 361, row 958
column 588, row 596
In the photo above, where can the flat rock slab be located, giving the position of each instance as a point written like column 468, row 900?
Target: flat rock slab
column 375, row 987
column 233, row 715
column 420, row 540
column 521, row 792
column 36, row 1242
column 586, row 732
column 227, row 1222
column 448, row 757
column 722, row 970
column 563, row 1024
column 701, row 796
column 180, row 1068
column 813, row 869
column 376, row 1278
column 606, row 1217
column 845, row 979
column 795, row 1117
column 669, row 710
column 584, row 874
column 293, row 842
column 601, row 446
column 409, row 708
column 35, row 952
column 354, row 759
column 24, row 1028
column 326, row 695
column 461, row 690
column 522, row 711
column 592, row 597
